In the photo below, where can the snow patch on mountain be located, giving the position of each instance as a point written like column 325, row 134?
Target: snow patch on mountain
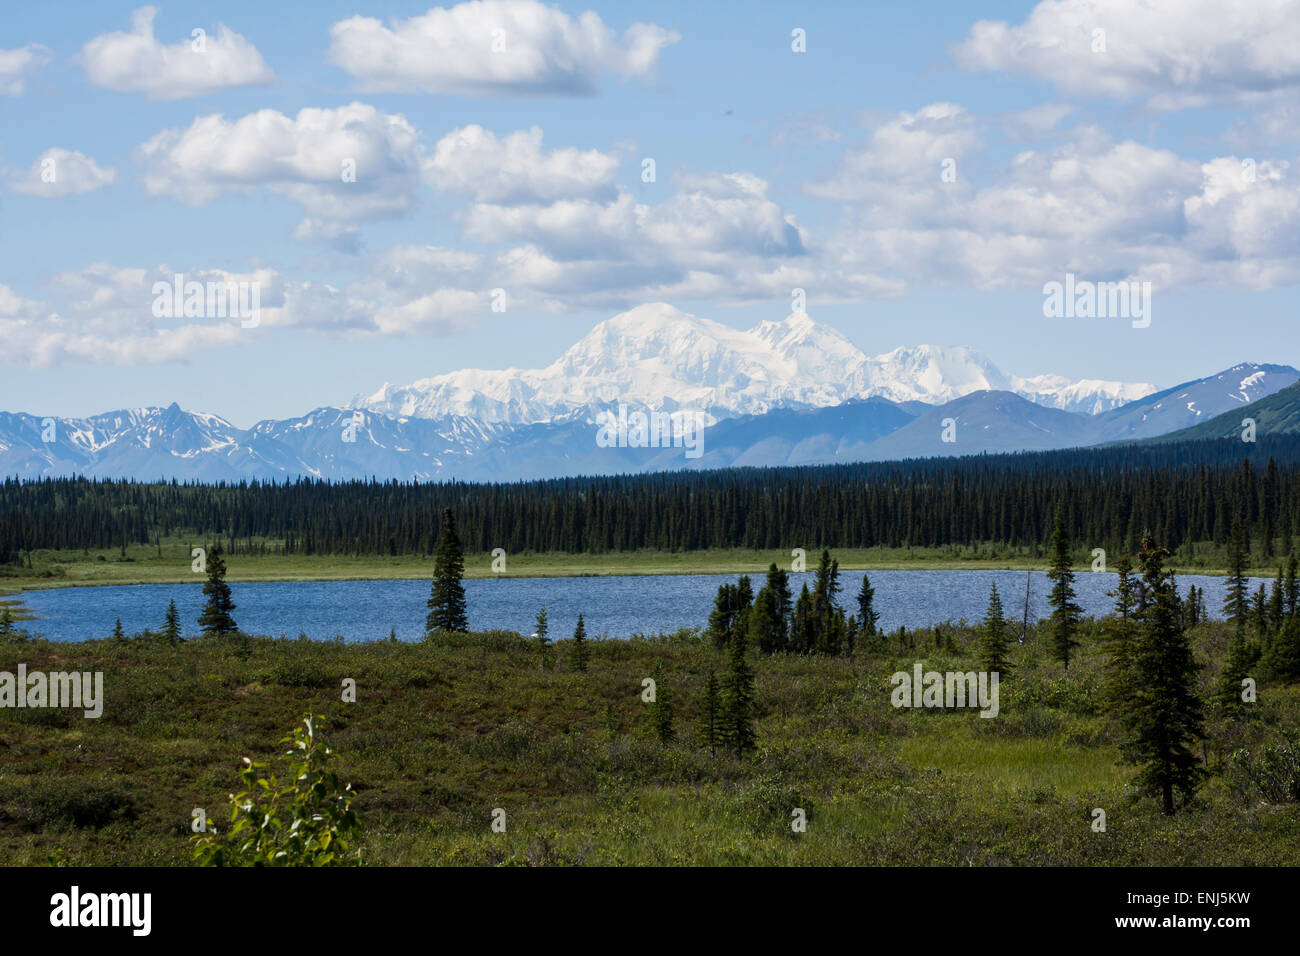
column 660, row 358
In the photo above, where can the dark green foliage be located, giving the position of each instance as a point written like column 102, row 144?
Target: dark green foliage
column 738, row 701
column 171, row 630
column 711, row 714
column 1119, row 635
column 995, row 638
column 659, row 712
column 1065, row 610
column 1281, row 661
column 868, row 616
column 1236, row 606
column 766, row 629
column 1189, row 490
column 215, row 619
column 578, row 650
column 542, row 630
column 1164, row 719
column 447, row 596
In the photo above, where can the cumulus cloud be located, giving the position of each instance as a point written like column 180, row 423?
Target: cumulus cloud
column 493, row 47
column 1088, row 205
column 17, row 67
column 61, row 172
column 1170, row 53
column 513, row 168
column 136, row 62
column 344, row 166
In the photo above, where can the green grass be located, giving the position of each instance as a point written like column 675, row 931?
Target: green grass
column 170, row 563
column 442, row 733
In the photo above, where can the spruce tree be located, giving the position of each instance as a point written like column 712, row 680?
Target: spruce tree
column 1281, row 661
column 7, row 630
column 1164, row 719
column 1118, row 637
column 171, row 630
column 447, row 596
column 578, row 651
column 765, row 630
column 660, row 712
column 1064, row 621
column 803, row 630
column 118, row 633
column 1292, row 598
column 723, row 615
column 1236, row 668
column 995, row 637
column 738, row 701
column 778, row 582
column 1277, row 603
column 868, row 616
column 711, row 714
column 215, row 619
column 543, row 629
column 1236, row 605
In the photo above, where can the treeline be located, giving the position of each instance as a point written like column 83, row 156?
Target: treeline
column 1179, row 493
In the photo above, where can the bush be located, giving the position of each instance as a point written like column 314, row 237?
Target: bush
column 77, row 802
column 309, row 822
column 1270, row 771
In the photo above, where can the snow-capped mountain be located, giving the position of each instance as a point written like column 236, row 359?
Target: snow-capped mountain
column 660, row 358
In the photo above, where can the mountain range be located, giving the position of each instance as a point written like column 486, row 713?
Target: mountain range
column 781, row 393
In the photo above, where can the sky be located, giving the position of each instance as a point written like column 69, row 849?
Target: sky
column 424, row 189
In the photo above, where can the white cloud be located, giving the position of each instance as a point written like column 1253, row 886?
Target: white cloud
column 1088, row 205
column 137, row 62
column 17, row 67
column 1172, row 53
column 61, row 172
column 514, row 169
column 344, row 166
column 493, row 47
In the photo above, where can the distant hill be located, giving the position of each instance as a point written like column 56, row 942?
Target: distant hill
column 1276, row 414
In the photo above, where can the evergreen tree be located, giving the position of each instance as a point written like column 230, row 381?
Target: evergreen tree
column 171, row 629
column 723, row 616
column 578, row 651
column 1236, row 668
column 995, row 637
column 1281, row 661
column 1292, row 588
column 1277, row 603
column 660, row 712
column 7, row 630
column 447, row 610
column 1164, row 719
column 1259, row 611
column 778, row 582
column 1119, row 636
column 765, row 630
column 1064, row 621
column 711, row 714
column 215, row 619
column 1236, row 606
column 803, row 630
column 868, row 616
column 543, row 629
column 118, row 633
column 738, row 701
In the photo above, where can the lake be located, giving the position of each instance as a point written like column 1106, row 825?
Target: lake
column 611, row 606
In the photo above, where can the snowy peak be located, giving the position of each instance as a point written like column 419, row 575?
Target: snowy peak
column 658, row 357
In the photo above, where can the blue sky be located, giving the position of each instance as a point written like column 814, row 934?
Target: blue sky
column 773, row 169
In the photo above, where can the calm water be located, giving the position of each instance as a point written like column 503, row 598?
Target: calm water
column 611, row 606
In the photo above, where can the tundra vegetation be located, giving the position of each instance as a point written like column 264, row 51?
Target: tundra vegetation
column 441, row 733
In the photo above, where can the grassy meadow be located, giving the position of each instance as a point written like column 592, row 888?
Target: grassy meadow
column 168, row 562
column 443, row 733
